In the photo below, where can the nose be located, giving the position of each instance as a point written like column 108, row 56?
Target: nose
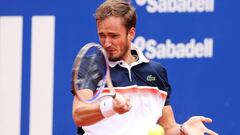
column 108, row 42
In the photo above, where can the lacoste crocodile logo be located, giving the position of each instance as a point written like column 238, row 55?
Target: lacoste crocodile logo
column 151, row 78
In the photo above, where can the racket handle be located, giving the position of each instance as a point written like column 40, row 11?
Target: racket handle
column 119, row 98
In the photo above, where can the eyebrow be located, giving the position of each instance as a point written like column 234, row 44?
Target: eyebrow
column 110, row 33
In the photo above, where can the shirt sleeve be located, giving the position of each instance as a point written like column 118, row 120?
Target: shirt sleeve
column 167, row 86
column 163, row 82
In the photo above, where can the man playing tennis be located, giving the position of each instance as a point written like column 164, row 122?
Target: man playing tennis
column 142, row 84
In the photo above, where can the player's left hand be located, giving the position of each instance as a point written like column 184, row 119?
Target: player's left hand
column 195, row 126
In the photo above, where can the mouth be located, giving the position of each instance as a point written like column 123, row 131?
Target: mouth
column 110, row 51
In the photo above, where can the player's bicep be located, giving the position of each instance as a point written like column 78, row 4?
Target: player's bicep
column 77, row 104
column 85, row 113
column 84, row 94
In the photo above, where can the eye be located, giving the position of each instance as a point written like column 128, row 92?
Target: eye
column 114, row 36
column 101, row 35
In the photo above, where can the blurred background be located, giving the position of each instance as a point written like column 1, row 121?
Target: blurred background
column 196, row 40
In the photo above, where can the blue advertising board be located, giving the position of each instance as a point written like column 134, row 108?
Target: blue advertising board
column 196, row 40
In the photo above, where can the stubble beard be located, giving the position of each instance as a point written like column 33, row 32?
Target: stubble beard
column 122, row 53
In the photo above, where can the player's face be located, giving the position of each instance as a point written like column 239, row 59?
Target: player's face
column 114, row 38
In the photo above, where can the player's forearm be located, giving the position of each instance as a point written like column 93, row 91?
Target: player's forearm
column 173, row 130
column 87, row 114
column 87, row 119
column 167, row 120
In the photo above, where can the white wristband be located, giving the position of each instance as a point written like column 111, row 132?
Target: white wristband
column 106, row 107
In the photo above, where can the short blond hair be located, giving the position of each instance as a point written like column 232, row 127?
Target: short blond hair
column 117, row 8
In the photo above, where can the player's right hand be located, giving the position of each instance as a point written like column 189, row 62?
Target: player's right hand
column 121, row 104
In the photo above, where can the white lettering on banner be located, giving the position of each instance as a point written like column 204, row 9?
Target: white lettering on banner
column 177, row 6
column 42, row 75
column 10, row 74
column 170, row 50
column 42, row 69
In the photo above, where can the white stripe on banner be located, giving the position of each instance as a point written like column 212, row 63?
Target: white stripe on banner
column 10, row 74
column 42, row 73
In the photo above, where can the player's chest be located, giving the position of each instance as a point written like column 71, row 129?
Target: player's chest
column 136, row 76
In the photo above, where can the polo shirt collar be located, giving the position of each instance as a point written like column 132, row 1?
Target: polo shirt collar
column 141, row 57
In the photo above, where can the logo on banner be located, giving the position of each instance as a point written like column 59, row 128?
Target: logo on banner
column 177, row 6
column 171, row 50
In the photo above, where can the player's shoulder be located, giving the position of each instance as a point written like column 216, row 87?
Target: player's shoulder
column 156, row 65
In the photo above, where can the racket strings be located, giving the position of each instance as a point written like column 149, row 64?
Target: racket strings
column 94, row 66
column 91, row 71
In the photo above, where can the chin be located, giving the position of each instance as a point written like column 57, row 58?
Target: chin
column 114, row 58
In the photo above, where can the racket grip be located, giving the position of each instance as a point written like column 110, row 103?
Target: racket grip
column 119, row 98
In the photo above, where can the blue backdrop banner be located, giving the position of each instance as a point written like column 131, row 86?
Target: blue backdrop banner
column 196, row 40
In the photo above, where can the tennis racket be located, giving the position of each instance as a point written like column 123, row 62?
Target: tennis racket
column 91, row 71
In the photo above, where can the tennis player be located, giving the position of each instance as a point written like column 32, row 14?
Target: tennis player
column 143, row 84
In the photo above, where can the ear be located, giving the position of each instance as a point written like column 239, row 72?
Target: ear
column 131, row 33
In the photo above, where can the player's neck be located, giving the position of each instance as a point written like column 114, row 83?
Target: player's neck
column 130, row 59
